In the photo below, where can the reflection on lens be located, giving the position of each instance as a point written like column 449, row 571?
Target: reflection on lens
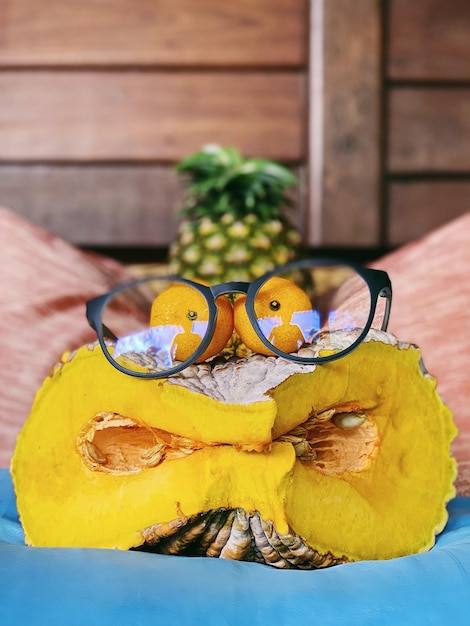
column 159, row 342
column 166, row 324
column 300, row 307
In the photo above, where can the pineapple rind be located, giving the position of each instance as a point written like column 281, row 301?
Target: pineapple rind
column 229, row 250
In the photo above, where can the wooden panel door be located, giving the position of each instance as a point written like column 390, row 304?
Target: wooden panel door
column 389, row 119
column 428, row 125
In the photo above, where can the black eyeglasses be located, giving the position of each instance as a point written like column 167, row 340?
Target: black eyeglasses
column 309, row 311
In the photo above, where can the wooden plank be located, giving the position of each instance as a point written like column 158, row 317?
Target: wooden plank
column 104, row 205
column 429, row 40
column 96, row 205
column 429, row 130
column 153, row 32
column 344, row 123
column 105, row 115
column 417, row 207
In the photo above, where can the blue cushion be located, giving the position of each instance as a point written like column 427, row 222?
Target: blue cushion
column 88, row 586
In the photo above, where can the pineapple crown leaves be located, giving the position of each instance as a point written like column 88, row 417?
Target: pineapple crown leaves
column 222, row 181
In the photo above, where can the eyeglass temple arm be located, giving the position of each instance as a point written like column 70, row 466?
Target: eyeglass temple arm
column 106, row 333
column 386, row 292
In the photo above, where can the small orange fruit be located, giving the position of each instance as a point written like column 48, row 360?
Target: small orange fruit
column 185, row 310
column 279, row 304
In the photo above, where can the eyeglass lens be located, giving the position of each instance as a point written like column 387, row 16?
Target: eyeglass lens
column 170, row 321
column 291, row 309
column 326, row 307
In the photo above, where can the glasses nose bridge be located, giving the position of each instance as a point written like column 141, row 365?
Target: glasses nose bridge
column 224, row 289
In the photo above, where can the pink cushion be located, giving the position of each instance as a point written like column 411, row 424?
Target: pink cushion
column 44, row 284
column 431, row 308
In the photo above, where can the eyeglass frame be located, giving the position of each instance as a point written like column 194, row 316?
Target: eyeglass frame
column 377, row 281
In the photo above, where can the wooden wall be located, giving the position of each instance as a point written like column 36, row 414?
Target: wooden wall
column 368, row 101
column 390, row 110
column 427, row 116
column 344, row 105
column 99, row 99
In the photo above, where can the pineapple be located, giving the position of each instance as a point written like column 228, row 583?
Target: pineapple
column 234, row 228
